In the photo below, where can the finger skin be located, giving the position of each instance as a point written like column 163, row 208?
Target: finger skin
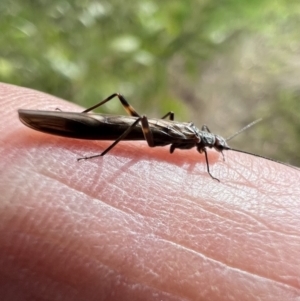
column 139, row 223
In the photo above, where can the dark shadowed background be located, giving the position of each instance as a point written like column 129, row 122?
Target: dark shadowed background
column 222, row 63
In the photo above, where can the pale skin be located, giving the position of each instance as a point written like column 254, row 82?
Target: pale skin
column 140, row 223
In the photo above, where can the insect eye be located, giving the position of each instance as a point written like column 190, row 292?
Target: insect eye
column 220, row 144
column 219, row 147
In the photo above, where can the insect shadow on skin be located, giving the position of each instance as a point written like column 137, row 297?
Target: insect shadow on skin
column 157, row 132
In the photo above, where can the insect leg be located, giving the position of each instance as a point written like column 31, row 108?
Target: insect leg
column 170, row 115
column 128, row 108
column 205, row 128
column 146, row 131
column 207, row 165
column 115, row 142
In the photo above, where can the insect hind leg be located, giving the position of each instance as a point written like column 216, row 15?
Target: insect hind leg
column 114, row 143
column 146, row 131
column 128, row 108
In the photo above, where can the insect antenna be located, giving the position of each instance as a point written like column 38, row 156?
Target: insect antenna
column 263, row 157
column 248, row 153
column 244, row 128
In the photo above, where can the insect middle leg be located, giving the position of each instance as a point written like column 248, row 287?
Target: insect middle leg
column 170, row 114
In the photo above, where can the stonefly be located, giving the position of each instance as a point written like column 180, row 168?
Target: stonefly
column 157, row 132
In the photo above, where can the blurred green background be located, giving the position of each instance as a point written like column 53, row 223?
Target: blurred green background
column 220, row 63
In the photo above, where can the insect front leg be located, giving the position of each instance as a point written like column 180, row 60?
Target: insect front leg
column 128, row 108
column 207, row 164
column 205, row 128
